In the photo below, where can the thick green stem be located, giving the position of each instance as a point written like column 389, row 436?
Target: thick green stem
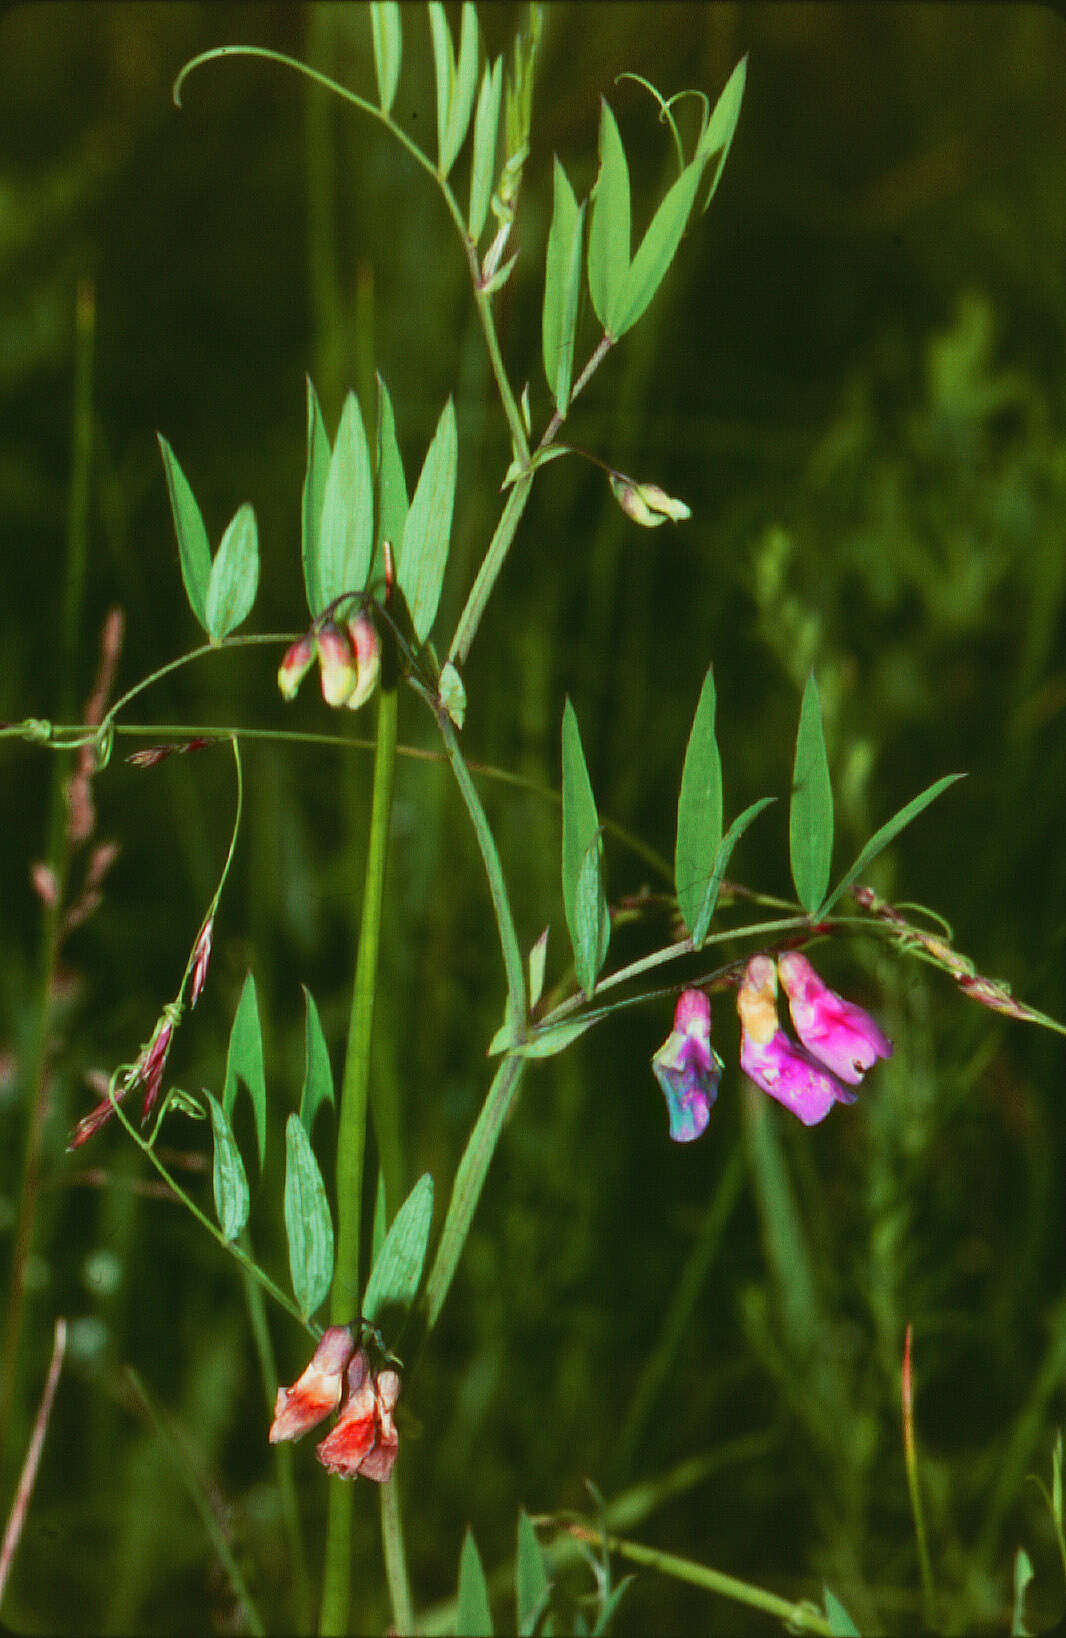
column 351, row 1140
column 396, row 1559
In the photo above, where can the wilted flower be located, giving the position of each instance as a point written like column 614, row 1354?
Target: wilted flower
column 840, row 1034
column 646, row 503
column 201, row 960
column 774, row 1063
column 318, row 1390
column 154, row 1063
column 296, row 663
column 366, row 646
column 687, row 1068
column 365, row 1439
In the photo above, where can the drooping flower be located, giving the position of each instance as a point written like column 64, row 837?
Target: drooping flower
column 366, row 646
column 297, row 661
column 838, row 1033
column 776, row 1064
column 687, row 1067
column 318, row 1391
column 365, row 1440
column 336, row 663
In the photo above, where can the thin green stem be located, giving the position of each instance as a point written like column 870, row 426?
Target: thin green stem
column 488, row 573
column 351, row 1139
column 396, row 1559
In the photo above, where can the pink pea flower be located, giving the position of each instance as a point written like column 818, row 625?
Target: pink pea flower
column 773, row 1062
column 366, row 646
column 297, row 661
column 841, row 1035
column 337, row 667
column 364, row 1440
column 318, row 1391
column 687, row 1068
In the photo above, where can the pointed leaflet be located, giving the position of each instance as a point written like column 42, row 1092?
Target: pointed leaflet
column 388, row 47
column 840, row 1622
column 473, row 1617
column 586, row 915
column 483, row 162
column 308, row 1225
column 234, row 576
column 532, row 1587
column 392, row 485
column 718, row 133
column 721, row 863
column 887, row 833
column 608, row 255
column 228, row 1177
column 193, row 549
column 538, row 958
column 244, row 1062
column 657, row 250
column 397, row 1269
column 318, row 1076
column 314, row 493
column 810, row 835
column 427, row 531
column 562, row 289
column 699, row 809
column 443, row 68
column 456, row 82
column 346, row 530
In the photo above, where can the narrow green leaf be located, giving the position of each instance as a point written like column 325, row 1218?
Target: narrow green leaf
column 610, row 1604
column 1023, row 1575
column 837, row 1616
column 562, row 289
column 699, row 809
column 318, row 1075
column 546, row 1042
column 392, row 485
column 721, row 864
column 193, row 549
column 887, row 833
column 538, row 958
column 397, row 1270
column 486, row 132
column 609, row 231
column 308, row 1225
column 811, row 816
column 381, row 1222
column 388, row 48
column 347, row 527
column 532, row 1587
column 427, row 531
column 473, row 1617
column 244, row 1062
column 314, row 493
column 657, row 249
column 232, row 1200
column 593, row 923
column 443, row 70
column 718, row 134
column 581, row 828
column 461, row 102
column 234, row 576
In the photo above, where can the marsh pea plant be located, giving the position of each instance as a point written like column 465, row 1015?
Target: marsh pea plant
column 375, row 554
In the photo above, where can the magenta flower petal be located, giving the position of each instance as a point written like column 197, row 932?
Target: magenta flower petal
column 841, row 1035
column 687, row 1068
column 792, row 1076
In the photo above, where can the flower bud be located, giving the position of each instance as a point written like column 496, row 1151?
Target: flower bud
column 646, row 503
column 337, row 665
column 298, row 660
column 366, row 646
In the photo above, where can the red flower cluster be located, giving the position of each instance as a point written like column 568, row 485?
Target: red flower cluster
column 364, row 1440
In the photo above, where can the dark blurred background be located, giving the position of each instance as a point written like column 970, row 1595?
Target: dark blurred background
column 853, row 374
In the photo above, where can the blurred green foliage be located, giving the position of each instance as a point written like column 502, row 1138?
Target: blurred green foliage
column 853, row 374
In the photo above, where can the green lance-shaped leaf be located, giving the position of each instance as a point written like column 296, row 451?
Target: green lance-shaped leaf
column 387, row 36
column 717, row 136
column 244, row 1062
column 234, row 576
column 456, row 82
column 347, row 527
column 532, row 1587
column 609, row 231
column 810, row 837
column 443, row 68
column 193, row 549
column 583, row 901
column 486, row 132
column 397, row 1270
column 699, row 809
column 228, row 1178
column 473, row 1616
column 314, row 494
column 657, row 250
column 392, row 485
column 380, row 1228
column 562, row 290
column 427, row 531
column 840, row 1622
column 318, row 1075
column 887, row 833
column 721, row 865
column 308, row 1225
